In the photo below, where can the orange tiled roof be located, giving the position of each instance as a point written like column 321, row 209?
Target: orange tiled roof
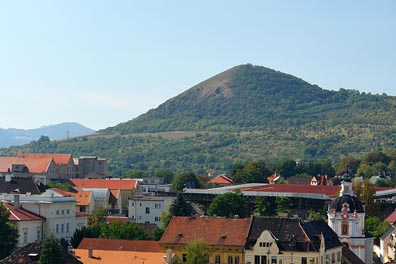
column 83, row 197
column 120, row 257
column 120, row 184
column 221, row 179
column 58, row 158
column 119, row 244
column 112, row 219
column 35, row 165
column 214, row 231
column 21, row 214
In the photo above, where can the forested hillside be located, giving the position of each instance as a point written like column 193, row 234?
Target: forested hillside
column 245, row 113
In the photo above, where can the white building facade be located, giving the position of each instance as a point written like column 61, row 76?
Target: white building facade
column 148, row 209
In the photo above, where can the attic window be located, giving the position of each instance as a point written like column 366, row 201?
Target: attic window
column 180, row 235
column 223, row 236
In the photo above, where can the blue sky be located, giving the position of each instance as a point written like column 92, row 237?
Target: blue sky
column 100, row 63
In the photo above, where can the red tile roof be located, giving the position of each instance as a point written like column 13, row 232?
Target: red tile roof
column 35, row 165
column 120, row 184
column 58, row 158
column 331, row 191
column 21, row 214
column 214, row 231
column 391, row 218
column 120, row 244
column 221, row 179
column 83, row 197
column 120, row 257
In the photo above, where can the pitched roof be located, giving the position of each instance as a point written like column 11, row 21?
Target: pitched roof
column 214, row 231
column 120, row 184
column 391, row 218
column 350, row 257
column 120, row 257
column 19, row 185
column 221, row 179
column 114, row 195
column 58, row 158
column 306, row 235
column 119, row 244
column 35, row 165
column 83, row 197
column 298, row 180
column 21, row 214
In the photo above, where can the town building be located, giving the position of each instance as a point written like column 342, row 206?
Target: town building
column 29, row 225
column 225, row 237
column 346, row 216
column 287, row 241
column 148, row 209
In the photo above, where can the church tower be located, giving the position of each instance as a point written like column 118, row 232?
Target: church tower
column 346, row 215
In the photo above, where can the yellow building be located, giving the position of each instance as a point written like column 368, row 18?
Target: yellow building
column 225, row 237
column 274, row 240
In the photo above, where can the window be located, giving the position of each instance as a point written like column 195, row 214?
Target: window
column 256, row 259
column 38, row 234
column 63, row 211
column 57, row 212
column 236, row 260
column 230, row 260
column 184, row 257
column 333, row 259
column 62, row 228
column 25, row 235
column 67, row 227
column 147, row 210
column 217, row 259
column 67, row 211
column 263, row 259
column 338, row 256
column 157, row 206
column 303, row 260
column 157, row 219
column 344, row 228
column 273, row 260
column 57, row 229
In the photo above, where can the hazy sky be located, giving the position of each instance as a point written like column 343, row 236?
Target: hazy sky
column 100, row 63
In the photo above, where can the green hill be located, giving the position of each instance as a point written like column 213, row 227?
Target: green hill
column 247, row 112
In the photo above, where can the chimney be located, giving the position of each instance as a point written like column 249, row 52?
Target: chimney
column 17, row 205
column 169, row 256
column 8, row 177
column 90, row 252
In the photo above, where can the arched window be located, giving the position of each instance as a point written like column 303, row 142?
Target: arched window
column 344, row 229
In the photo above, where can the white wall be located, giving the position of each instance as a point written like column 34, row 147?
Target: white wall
column 148, row 209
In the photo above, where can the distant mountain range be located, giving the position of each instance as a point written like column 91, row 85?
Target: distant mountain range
column 244, row 113
column 17, row 137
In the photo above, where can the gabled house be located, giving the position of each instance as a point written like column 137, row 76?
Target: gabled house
column 119, row 189
column 274, row 178
column 29, row 225
column 222, row 180
column 226, row 237
column 283, row 240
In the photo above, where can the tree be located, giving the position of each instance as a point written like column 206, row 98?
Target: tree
column 375, row 227
column 98, row 217
column 347, row 162
column 255, row 171
column 180, row 207
column 197, row 252
column 93, row 231
column 228, row 205
column 123, row 230
column 283, row 205
column 185, row 180
column 261, row 206
column 287, row 168
column 8, row 233
column 367, row 197
column 135, row 174
column 52, row 252
column 166, row 174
